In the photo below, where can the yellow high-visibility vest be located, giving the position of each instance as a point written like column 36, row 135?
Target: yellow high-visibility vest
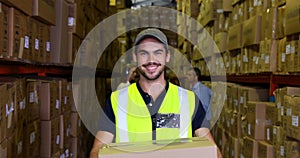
column 133, row 120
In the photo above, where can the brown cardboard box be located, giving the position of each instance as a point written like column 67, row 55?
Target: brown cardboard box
column 11, row 112
column 16, row 32
column 44, row 10
column 3, row 102
column 292, row 148
column 256, row 116
column 20, row 5
column 4, row 31
column 75, row 125
column 32, row 139
column 292, row 17
column 63, row 96
column 33, row 100
column 234, row 40
column 102, row 6
column 250, row 148
column 278, row 135
column 35, row 49
column 19, row 144
column 50, row 103
column 281, row 24
column 268, row 56
column 176, row 150
column 221, row 41
column 235, row 150
column 251, row 31
column 269, row 24
column 27, row 40
column 50, row 138
column 271, row 115
column 61, row 132
column 265, row 150
column 59, row 34
column 3, row 148
column 269, row 134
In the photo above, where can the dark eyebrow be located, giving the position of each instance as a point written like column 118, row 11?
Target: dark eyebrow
column 158, row 50
column 143, row 51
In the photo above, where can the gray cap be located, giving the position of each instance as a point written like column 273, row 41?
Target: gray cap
column 151, row 32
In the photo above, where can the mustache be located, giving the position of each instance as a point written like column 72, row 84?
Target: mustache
column 151, row 63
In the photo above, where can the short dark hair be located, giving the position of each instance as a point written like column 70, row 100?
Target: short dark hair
column 197, row 71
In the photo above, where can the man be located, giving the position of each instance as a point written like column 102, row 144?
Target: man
column 151, row 108
column 203, row 92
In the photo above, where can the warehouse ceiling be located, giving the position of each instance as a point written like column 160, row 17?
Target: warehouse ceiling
column 164, row 3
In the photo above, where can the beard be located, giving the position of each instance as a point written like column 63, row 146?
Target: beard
column 143, row 73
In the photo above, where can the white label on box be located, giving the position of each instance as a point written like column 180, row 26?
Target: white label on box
column 36, row 44
column 289, row 112
column 20, row 147
column 256, row 60
column 295, row 121
column 250, row 9
column 26, row 42
column 32, row 137
column 57, row 139
column 249, row 129
column 282, row 111
column 66, row 100
column 67, row 152
column 240, row 12
column 283, row 57
column 232, row 121
column 267, row 60
column 235, row 102
column 57, row 104
column 235, row 17
column 274, row 131
column 220, row 11
column 48, row 46
column 245, row 58
column 227, row 64
column 71, row 21
column 278, row 105
column 268, row 133
column 242, row 100
column 255, row 3
column 281, row 150
column 31, row 97
column 9, row 109
column 259, row 3
column 288, row 49
column 22, row 105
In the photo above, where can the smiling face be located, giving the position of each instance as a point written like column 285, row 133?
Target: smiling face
column 151, row 57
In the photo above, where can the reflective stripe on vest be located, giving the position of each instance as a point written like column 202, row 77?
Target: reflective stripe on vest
column 125, row 129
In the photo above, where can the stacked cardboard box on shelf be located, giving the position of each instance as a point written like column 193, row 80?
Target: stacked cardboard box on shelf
column 36, row 119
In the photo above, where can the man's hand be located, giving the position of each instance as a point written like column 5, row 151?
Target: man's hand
column 102, row 137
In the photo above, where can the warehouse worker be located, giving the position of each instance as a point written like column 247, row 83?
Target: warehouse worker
column 151, row 108
column 203, row 92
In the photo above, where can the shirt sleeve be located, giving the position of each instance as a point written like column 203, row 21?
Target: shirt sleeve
column 107, row 118
column 198, row 116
